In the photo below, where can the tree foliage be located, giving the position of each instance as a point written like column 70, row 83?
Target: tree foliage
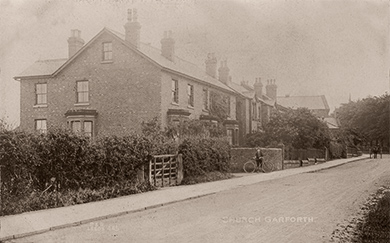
column 295, row 128
column 366, row 119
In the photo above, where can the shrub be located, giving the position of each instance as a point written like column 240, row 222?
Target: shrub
column 202, row 155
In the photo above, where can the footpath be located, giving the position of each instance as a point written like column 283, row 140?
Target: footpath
column 30, row 223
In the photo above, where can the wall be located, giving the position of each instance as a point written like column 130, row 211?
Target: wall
column 124, row 92
column 273, row 158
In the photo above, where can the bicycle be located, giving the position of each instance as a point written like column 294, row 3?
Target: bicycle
column 250, row 166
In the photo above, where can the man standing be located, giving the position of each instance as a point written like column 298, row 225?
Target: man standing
column 259, row 160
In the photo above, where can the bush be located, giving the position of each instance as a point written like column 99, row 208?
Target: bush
column 202, row 155
column 63, row 161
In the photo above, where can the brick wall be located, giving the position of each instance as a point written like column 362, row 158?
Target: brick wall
column 124, row 92
column 273, row 159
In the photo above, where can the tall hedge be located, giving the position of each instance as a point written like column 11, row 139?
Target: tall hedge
column 202, row 155
column 34, row 166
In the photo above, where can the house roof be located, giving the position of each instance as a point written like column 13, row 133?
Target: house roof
column 250, row 94
column 331, row 122
column 179, row 65
column 311, row 102
column 43, row 67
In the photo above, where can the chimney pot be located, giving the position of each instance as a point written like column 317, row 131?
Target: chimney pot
column 75, row 43
column 132, row 28
column 168, row 46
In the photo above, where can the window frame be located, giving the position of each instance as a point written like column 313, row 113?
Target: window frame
column 107, row 51
column 82, row 121
column 190, row 95
column 78, row 92
column 40, row 94
column 38, row 127
column 206, row 101
column 175, row 91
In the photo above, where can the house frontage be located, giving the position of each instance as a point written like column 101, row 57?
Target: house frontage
column 113, row 83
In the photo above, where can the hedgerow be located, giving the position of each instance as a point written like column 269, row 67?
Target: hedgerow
column 60, row 168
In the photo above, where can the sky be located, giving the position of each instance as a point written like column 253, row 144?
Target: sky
column 339, row 49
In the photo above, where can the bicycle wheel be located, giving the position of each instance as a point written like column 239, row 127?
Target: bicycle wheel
column 249, row 166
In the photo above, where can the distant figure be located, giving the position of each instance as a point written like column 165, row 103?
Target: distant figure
column 259, row 160
column 375, row 151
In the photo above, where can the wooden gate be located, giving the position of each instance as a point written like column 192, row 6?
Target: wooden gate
column 166, row 170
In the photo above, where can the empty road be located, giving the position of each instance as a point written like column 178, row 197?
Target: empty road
column 300, row 208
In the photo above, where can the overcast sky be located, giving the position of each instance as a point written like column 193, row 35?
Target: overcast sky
column 335, row 48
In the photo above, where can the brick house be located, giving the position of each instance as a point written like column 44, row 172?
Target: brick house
column 114, row 82
column 254, row 106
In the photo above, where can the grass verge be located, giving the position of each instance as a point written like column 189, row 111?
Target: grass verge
column 376, row 227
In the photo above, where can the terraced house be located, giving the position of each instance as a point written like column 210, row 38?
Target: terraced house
column 114, row 82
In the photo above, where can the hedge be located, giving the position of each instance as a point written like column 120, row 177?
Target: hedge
column 202, row 155
column 61, row 168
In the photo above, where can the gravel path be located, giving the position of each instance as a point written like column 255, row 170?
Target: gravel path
column 301, row 208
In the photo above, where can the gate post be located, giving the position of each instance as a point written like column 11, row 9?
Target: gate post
column 179, row 168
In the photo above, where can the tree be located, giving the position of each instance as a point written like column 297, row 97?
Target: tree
column 295, row 128
column 365, row 120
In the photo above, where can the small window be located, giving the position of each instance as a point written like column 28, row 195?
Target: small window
column 229, row 133
column 205, row 99
column 41, row 125
column 227, row 104
column 107, row 51
column 259, row 112
column 82, row 92
column 175, row 91
column 88, row 128
column 190, row 94
column 41, row 94
column 75, row 126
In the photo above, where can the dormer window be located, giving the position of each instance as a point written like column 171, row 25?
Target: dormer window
column 107, row 51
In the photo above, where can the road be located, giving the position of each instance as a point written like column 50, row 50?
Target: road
column 300, row 208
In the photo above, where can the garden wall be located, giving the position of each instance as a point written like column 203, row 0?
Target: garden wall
column 273, row 158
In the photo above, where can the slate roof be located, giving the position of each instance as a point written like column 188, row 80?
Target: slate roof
column 311, row 102
column 179, row 65
column 250, row 94
column 43, row 67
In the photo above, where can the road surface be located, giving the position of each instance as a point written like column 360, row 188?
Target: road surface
column 300, row 208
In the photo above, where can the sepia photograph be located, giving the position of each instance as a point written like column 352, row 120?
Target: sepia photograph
column 195, row 121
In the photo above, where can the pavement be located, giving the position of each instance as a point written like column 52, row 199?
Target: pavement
column 31, row 223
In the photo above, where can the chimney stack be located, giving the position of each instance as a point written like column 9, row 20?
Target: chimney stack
column 258, row 87
column 132, row 28
column 211, row 65
column 224, row 73
column 168, row 46
column 271, row 89
column 74, row 42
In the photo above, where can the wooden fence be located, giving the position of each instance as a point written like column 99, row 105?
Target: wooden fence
column 166, row 170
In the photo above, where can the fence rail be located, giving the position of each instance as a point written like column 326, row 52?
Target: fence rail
column 166, row 170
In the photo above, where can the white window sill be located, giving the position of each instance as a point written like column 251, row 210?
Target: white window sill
column 176, row 104
column 204, row 110
column 81, row 104
column 40, row 106
column 190, row 107
column 107, row 62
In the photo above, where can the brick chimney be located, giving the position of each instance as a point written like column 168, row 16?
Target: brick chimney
column 271, row 89
column 74, row 42
column 258, row 87
column 223, row 71
column 168, row 46
column 132, row 28
column 211, row 65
